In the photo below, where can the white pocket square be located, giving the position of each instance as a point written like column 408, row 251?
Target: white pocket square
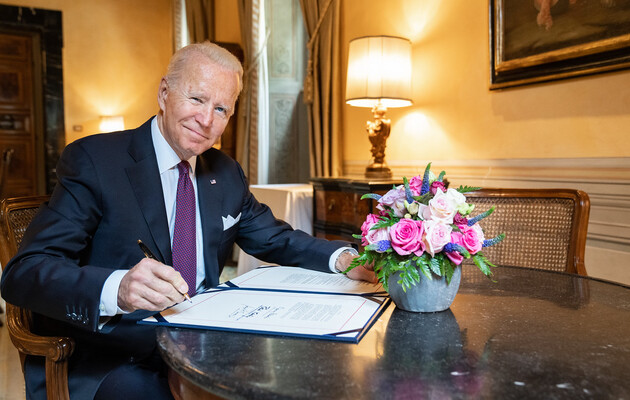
column 229, row 221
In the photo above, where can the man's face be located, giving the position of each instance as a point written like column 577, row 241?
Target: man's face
column 196, row 108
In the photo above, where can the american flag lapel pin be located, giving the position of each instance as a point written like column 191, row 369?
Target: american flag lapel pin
column 212, row 181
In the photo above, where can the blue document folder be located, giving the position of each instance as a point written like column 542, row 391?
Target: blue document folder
column 287, row 301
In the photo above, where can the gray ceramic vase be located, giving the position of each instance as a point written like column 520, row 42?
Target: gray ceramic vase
column 428, row 295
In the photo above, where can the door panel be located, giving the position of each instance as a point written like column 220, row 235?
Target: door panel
column 17, row 133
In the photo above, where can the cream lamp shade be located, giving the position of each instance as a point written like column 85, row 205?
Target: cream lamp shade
column 379, row 69
column 112, row 123
column 379, row 76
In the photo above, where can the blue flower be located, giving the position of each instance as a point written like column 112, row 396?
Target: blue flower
column 426, row 185
column 493, row 241
column 380, row 247
column 451, row 247
column 473, row 221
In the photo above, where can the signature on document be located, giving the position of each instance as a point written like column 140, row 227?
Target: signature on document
column 247, row 312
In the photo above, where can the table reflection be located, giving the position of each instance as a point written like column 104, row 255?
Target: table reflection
column 425, row 357
column 566, row 290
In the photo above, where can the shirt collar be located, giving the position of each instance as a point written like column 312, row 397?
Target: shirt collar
column 166, row 156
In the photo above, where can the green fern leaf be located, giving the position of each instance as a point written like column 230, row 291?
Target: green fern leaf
column 434, row 264
column 466, row 189
column 482, row 262
column 424, row 268
column 449, row 269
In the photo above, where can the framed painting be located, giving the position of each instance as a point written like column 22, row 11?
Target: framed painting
column 534, row 41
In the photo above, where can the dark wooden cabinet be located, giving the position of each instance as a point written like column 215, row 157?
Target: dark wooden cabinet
column 338, row 211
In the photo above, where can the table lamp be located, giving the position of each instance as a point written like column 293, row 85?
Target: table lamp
column 379, row 76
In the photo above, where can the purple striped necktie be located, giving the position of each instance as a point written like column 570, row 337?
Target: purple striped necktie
column 185, row 232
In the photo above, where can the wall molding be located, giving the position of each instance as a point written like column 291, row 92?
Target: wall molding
column 606, row 180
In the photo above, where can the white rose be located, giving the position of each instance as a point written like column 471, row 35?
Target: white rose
column 458, row 198
column 441, row 208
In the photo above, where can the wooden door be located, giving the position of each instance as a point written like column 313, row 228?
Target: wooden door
column 18, row 137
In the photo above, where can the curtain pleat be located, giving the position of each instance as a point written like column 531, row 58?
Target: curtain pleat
column 200, row 20
column 322, row 86
column 247, row 126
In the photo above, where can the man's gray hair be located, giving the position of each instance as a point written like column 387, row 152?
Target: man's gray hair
column 213, row 52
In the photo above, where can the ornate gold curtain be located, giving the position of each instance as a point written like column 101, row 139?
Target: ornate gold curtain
column 322, row 85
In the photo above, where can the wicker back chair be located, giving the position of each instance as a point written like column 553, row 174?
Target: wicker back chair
column 15, row 215
column 544, row 228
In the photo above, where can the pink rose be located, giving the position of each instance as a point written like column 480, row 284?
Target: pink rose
column 457, row 238
column 415, row 184
column 394, row 199
column 369, row 222
column 473, row 238
column 406, row 237
column 437, row 185
column 377, row 235
column 437, row 235
column 458, row 219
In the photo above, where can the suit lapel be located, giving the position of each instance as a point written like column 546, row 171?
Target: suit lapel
column 145, row 180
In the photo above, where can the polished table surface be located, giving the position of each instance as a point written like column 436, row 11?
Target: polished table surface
column 530, row 334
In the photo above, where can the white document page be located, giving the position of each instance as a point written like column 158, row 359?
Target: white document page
column 300, row 279
column 302, row 314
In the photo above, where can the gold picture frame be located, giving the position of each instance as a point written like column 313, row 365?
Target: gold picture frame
column 534, row 41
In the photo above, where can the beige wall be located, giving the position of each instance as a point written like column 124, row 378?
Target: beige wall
column 116, row 51
column 455, row 116
column 114, row 54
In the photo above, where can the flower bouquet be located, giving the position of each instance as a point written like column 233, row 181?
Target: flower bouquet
column 423, row 229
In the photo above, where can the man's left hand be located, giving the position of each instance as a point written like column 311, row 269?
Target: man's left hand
column 359, row 273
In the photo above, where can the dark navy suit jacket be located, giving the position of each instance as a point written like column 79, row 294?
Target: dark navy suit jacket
column 108, row 196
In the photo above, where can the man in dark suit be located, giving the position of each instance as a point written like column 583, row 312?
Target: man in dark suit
column 80, row 269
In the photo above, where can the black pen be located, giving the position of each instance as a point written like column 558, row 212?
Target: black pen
column 148, row 254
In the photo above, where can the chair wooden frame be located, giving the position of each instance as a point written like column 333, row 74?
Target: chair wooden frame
column 56, row 350
column 579, row 225
column 5, row 162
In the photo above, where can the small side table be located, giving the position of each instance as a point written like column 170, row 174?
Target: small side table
column 291, row 202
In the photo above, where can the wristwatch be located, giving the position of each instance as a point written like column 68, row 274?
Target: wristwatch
column 342, row 256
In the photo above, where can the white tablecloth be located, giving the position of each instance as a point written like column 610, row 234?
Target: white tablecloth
column 290, row 202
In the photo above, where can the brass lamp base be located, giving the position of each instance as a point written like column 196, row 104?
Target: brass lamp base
column 378, row 171
column 378, row 132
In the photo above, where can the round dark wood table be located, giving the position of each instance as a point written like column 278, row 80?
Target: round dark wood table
column 530, row 334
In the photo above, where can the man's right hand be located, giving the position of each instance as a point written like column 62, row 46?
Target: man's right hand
column 151, row 285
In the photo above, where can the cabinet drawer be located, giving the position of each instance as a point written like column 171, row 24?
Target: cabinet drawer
column 333, row 207
column 339, row 211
